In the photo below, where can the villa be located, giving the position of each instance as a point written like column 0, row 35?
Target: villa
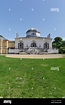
column 32, row 43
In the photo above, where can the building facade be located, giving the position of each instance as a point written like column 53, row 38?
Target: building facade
column 5, row 45
column 32, row 43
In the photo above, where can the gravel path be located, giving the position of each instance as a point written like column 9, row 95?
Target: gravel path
column 34, row 56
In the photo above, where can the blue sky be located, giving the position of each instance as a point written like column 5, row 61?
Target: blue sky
column 17, row 16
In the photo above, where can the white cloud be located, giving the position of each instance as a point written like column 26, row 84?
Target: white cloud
column 54, row 9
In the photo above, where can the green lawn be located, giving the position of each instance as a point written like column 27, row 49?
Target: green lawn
column 32, row 78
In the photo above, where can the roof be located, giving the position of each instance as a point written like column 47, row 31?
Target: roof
column 32, row 30
column 2, row 37
column 33, row 37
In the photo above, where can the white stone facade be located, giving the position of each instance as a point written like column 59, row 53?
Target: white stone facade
column 39, row 42
column 32, row 43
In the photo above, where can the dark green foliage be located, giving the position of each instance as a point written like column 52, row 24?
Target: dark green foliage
column 62, row 50
column 63, row 43
column 58, row 43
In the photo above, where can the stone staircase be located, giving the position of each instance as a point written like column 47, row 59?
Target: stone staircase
column 33, row 50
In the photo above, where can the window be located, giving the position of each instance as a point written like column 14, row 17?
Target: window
column 20, row 45
column 46, row 45
column 33, row 34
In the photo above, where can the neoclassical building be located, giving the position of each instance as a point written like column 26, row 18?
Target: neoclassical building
column 32, row 43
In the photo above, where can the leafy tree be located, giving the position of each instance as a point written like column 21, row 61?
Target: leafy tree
column 53, row 44
column 62, row 50
column 57, row 43
column 63, row 43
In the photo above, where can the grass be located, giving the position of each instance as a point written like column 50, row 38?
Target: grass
column 32, row 78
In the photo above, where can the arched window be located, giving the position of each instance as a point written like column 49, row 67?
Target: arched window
column 33, row 44
column 20, row 45
column 46, row 45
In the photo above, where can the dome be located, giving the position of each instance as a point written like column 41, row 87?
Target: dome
column 32, row 33
column 32, row 30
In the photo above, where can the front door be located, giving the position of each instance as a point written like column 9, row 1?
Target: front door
column 33, row 44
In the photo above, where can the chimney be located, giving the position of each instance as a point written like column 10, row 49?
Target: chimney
column 48, row 36
column 17, row 35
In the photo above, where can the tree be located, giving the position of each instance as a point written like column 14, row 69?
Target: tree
column 57, row 43
column 62, row 50
column 63, row 43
